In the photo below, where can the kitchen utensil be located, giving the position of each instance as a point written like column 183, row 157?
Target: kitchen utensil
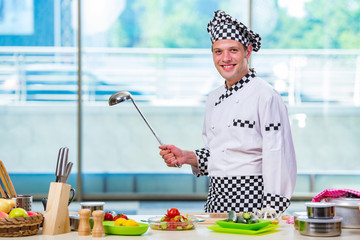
column 266, row 229
column 320, row 209
column 6, row 181
column 24, row 201
column 348, row 209
column 84, row 225
column 72, row 190
column 63, row 167
column 254, row 226
column 156, row 224
column 98, row 229
column 320, row 227
column 92, row 206
column 123, row 96
column 109, row 228
column 57, row 219
column 296, row 216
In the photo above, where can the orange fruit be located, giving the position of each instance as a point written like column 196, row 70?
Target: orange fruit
column 130, row 223
column 119, row 222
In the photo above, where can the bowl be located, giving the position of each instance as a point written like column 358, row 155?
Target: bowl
column 155, row 223
column 296, row 216
column 348, row 209
column 92, row 206
column 320, row 209
column 320, row 227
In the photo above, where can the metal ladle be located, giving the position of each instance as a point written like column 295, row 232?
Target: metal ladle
column 123, row 96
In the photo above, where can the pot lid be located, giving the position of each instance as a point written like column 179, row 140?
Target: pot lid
column 318, row 220
column 319, row 204
column 346, row 202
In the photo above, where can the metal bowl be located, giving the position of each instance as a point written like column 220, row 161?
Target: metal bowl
column 296, row 220
column 92, row 206
column 75, row 221
column 320, row 227
column 320, row 210
column 348, row 208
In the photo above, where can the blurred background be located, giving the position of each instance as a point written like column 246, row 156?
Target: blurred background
column 61, row 60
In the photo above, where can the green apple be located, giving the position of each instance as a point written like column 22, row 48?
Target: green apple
column 18, row 212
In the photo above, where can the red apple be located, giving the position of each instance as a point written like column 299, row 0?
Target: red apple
column 31, row 213
column 3, row 215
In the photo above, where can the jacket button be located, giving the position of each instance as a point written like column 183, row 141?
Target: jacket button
column 229, row 125
column 237, row 101
column 212, row 127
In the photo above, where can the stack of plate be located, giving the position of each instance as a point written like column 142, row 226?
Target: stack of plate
column 263, row 226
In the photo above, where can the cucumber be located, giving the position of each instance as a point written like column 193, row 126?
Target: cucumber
column 246, row 215
column 232, row 216
column 240, row 219
column 252, row 219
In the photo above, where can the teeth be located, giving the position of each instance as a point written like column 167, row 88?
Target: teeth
column 228, row 66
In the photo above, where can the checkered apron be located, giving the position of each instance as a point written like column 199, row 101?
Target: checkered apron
column 240, row 194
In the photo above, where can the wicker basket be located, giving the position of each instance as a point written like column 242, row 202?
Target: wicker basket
column 20, row 226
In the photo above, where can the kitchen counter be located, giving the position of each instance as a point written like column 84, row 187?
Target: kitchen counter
column 285, row 231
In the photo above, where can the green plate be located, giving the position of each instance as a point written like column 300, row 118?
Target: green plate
column 267, row 229
column 254, row 226
column 109, row 228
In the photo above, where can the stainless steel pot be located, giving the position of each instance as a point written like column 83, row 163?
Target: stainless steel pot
column 92, row 206
column 348, row 208
column 75, row 221
column 320, row 227
column 320, row 210
column 296, row 216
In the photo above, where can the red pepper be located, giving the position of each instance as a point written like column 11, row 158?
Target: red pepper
column 173, row 212
column 120, row 215
column 108, row 217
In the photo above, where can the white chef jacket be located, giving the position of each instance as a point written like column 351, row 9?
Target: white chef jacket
column 247, row 132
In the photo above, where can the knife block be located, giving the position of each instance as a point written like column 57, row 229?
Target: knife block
column 56, row 220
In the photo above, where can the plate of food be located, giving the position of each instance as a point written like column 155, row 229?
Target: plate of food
column 172, row 221
column 245, row 221
column 131, row 228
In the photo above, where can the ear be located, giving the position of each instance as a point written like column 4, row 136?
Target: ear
column 248, row 51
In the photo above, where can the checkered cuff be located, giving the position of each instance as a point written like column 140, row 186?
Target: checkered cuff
column 277, row 202
column 203, row 155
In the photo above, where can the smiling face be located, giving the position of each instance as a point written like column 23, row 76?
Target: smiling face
column 231, row 60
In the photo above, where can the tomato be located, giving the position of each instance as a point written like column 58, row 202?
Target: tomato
column 29, row 213
column 173, row 212
column 120, row 215
column 108, row 217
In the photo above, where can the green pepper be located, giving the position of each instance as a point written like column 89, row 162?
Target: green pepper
column 232, row 216
column 252, row 219
column 240, row 219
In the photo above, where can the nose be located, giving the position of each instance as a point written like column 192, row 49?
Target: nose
column 226, row 57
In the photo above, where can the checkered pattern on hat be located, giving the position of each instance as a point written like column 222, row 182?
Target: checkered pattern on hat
column 272, row 126
column 277, row 202
column 240, row 84
column 224, row 26
column 243, row 123
column 240, row 194
column 203, row 155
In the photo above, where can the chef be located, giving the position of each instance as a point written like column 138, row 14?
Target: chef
column 248, row 154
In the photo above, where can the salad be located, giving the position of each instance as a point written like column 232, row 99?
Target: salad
column 172, row 220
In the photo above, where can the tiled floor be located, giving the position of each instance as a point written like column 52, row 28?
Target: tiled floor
column 157, row 207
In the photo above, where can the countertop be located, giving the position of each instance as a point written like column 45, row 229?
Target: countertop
column 285, row 231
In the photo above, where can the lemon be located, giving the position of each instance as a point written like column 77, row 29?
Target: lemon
column 119, row 222
column 130, row 223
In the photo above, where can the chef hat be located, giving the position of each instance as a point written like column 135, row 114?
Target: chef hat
column 224, row 26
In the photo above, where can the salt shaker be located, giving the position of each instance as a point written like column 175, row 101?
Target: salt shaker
column 98, row 229
column 84, row 225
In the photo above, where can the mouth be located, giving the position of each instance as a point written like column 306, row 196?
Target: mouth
column 228, row 67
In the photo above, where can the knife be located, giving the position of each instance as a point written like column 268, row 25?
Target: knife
column 64, row 165
column 58, row 165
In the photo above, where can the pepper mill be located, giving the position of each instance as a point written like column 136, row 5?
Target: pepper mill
column 84, row 225
column 98, row 229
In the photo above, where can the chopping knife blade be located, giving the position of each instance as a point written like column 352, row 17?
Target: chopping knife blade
column 68, row 170
column 64, row 165
column 58, row 164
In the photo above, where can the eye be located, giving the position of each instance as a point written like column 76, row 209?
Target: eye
column 217, row 52
column 234, row 50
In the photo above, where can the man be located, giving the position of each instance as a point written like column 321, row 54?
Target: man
column 248, row 154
